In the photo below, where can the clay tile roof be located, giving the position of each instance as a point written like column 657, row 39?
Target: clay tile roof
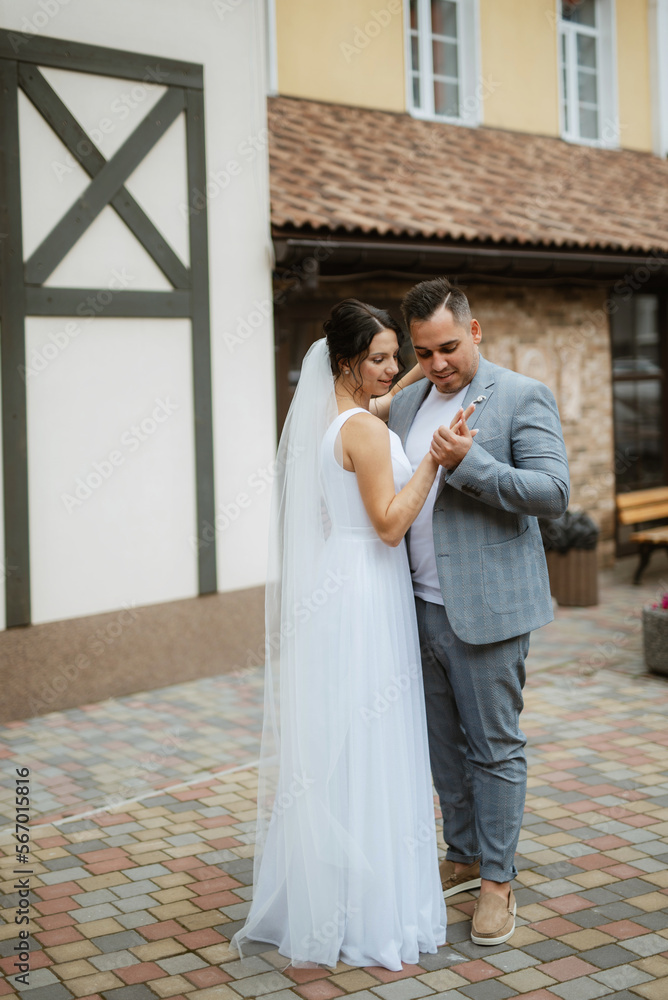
column 351, row 169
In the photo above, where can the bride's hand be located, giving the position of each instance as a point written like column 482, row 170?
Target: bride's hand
column 380, row 405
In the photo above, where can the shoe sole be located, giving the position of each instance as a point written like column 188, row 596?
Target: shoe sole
column 473, row 883
column 497, row 940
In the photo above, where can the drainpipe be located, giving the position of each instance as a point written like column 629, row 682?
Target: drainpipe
column 658, row 66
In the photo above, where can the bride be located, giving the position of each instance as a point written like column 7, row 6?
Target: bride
column 345, row 860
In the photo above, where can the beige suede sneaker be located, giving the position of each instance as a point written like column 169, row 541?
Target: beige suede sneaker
column 467, row 879
column 493, row 919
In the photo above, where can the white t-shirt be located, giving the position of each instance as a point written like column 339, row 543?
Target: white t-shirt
column 438, row 408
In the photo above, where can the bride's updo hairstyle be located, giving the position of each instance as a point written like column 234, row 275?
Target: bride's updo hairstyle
column 351, row 327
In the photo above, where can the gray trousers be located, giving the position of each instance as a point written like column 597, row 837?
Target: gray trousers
column 473, row 696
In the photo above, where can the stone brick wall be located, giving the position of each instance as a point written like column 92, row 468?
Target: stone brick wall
column 560, row 335
column 557, row 334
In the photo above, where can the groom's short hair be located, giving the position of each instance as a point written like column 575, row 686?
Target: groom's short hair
column 424, row 299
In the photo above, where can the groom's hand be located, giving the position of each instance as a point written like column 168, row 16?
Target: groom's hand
column 450, row 444
column 460, row 416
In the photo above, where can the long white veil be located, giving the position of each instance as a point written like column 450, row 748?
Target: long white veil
column 345, row 856
column 298, row 530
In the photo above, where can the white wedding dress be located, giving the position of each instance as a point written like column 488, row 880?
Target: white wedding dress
column 349, row 869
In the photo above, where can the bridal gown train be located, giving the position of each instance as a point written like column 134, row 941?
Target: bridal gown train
column 349, row 869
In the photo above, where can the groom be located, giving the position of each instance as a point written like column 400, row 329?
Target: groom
column 480, row 582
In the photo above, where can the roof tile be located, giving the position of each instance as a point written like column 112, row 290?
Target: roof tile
column 356, row 169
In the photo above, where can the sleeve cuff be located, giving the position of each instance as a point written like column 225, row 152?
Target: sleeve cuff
column 472, row 462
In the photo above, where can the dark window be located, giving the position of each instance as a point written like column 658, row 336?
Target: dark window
column 579, row 11
column 639, row 398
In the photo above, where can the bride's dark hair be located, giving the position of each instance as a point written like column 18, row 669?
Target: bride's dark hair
column 351, row 327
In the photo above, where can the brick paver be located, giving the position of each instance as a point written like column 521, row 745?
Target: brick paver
column 139, row 901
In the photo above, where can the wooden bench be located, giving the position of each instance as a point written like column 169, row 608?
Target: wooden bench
column 643, row 507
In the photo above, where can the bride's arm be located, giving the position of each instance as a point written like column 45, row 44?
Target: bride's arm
column 367, row 444
column 380, row 405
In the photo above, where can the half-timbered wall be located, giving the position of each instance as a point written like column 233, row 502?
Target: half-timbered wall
column 143, row 408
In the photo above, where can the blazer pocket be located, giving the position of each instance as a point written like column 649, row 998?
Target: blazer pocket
column 508, row 574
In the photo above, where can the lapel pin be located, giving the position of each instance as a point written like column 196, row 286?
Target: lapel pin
column 480, row 399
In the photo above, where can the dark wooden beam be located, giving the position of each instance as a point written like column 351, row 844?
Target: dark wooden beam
column 201, row 346
column 84, row 151
column 12, row 334
column 48, row 255
column 105, row 302
column 83, row 58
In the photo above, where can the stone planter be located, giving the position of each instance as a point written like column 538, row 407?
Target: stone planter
column 573, row 577
column 655, row 639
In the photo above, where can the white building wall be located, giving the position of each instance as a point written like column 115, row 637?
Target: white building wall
column 131, row 539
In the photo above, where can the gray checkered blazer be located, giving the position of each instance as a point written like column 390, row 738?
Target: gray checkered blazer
column 489, row 553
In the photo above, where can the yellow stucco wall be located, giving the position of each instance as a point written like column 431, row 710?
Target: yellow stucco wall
column 518, row 55
column 352, row 52
column 337, row 50
column 633, row 79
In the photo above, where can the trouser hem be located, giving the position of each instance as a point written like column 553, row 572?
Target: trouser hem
column 495, row 874
column 463, row 859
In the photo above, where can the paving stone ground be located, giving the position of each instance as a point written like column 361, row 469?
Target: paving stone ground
column 137, row 900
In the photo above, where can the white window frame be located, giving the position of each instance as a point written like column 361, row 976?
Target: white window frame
column 468, row 54
column 606, row 72
column 658, row 47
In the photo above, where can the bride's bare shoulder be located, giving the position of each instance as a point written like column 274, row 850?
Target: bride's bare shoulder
column 365, row 419
column 365, row 427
